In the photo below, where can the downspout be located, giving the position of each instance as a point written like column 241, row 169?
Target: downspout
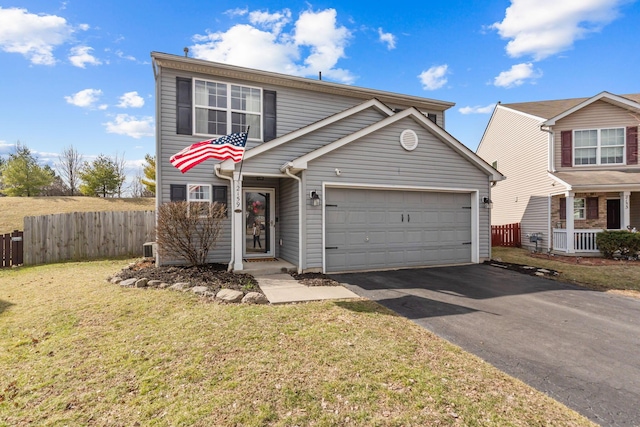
column 551, row 168
column 216, row 169
column 287, row 171
column 157, row 75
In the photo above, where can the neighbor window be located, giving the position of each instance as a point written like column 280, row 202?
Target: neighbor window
column 579, row 207
column 599, row 146
column 199, row 198
column 222, row 108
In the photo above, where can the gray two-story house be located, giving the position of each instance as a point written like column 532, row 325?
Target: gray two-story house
column 336, row 177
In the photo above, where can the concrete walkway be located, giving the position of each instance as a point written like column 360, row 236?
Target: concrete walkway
column 283, row 288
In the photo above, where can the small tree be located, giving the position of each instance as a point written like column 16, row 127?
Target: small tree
column 102, row 177
column 22, row 175
column 189, row 230
column 149, row 170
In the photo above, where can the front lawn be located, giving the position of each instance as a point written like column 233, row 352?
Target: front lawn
column 76, row 350
column 612, row 275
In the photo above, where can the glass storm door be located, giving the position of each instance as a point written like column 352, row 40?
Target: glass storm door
column 259, row 224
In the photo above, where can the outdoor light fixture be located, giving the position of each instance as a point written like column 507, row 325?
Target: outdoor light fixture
column 487, row 202
column 315, row 198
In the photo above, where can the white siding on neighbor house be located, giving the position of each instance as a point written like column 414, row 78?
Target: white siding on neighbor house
column 516, row 142
column 598, row 115
column 379, row 160
column 270, row 161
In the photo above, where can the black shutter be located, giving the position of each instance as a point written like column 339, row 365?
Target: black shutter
column 219, row 193
column 563, row 208
column 432, row 117
column 566, row 148
column 269, row 117
column 184, row 107
column 178, row 193
column 592, row 208
column 632, row 145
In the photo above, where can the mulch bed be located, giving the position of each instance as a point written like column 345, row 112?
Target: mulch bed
column 522, row 268
column 314, row 279
column 584, row 260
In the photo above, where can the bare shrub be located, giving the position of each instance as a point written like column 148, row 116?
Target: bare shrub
column 189, row 230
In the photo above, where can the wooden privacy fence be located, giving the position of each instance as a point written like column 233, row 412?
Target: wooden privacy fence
column 11, row 249
column 82, row 235
column 506, row 235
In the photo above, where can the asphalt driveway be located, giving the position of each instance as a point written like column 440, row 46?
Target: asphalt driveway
column 578, row 346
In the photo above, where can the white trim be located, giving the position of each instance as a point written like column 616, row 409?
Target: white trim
column 272, row 232
column 522, row 113
column 555, row 178
column 372, row 103
column 474, row 196
column 301, row 163
column 602, row 95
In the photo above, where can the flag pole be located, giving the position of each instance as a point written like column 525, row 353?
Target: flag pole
column 243, row 151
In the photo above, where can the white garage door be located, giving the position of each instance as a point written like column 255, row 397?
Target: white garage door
column 378, row 229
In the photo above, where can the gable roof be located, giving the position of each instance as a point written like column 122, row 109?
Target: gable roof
column 192, row 65
column 556, row 109
column 229, row 165
column 301, row 162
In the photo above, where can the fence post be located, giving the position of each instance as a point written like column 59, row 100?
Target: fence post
column 17, row 246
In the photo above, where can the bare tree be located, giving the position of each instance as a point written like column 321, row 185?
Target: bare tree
column 120, row 164
column 138, row 188
column 189, row 230
column 68, row 165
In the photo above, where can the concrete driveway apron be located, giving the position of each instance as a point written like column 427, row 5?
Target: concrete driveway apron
column 578, row 346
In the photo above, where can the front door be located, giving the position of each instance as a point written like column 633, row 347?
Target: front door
column 259, row 224
column 613, row 214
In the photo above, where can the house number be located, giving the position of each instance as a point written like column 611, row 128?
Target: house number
column 237, row 196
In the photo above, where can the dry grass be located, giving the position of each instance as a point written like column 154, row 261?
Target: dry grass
column 14, row 209
column 75, row 350
column 622, row 276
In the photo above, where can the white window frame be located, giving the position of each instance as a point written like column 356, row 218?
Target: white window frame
column 253, row 133
column 192, row 188
column 579, row 212
column 599, row 147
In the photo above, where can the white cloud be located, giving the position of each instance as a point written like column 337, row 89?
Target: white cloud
column 274, row 49
column 81, row 56
column 434, row 77
column 131, row 100
column 124, row 124
column 387, row 38
column 517, row 75
column 542, row 28
column 236, row 12
column 33, row 36
column 85, row 98
column 122, row 55
column 477, row 109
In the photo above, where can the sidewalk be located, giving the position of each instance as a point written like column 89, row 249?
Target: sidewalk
column 283, row 288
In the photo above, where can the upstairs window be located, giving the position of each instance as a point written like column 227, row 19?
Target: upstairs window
column 223, row 108
column 599, row 146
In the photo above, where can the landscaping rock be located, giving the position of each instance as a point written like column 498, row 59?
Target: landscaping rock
column 229, row 295
column 255, row 298
column 115, row 280
column 180, row 286
column 141, row 283
column 199, row 290
column 128, row 283
column 154, row 283
column 164, row 285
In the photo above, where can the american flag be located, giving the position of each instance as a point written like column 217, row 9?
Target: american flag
column 226, row 147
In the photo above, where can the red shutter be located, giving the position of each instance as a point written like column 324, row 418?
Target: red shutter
column 566, row 148
column 563, row 208
column 592, row 208
column 632, row 145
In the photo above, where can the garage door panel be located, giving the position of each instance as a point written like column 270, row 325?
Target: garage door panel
column 374, row 229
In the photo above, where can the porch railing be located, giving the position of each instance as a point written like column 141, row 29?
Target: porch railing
column 583, row 240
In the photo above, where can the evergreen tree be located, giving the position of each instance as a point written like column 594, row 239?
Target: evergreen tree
column 102, row 177
column 22, row 175
column 149, row 170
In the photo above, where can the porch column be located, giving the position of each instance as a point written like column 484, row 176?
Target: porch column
column 237, row 233
column 625, row 211
column 570, row 224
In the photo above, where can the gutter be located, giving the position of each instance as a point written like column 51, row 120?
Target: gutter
column 286, row 169
column 216, row 169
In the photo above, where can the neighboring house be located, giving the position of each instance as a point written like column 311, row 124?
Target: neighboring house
column 571, row 167
column 339, row 178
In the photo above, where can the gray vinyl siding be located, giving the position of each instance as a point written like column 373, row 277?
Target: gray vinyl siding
column 269, row 162
column 598, row 115
column 288, row 221
column 378, row 159
column 516, row 142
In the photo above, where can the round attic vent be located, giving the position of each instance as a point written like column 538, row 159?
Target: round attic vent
column 408, row 140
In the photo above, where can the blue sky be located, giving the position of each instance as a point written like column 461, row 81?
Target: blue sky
column 78, row 72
